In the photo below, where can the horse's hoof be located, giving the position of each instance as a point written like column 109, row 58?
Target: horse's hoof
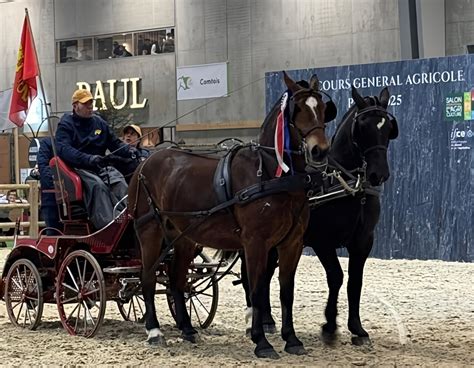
column 296, row 350
column 361, row 340
column 156, row 341
column 329, row 328
column 268, row 353
column 269, row 328
column 328, row 338
column 192, row 338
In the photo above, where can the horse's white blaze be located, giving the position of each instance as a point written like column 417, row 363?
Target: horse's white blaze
column 154, row 332
column 381, row 123
column 312, row 103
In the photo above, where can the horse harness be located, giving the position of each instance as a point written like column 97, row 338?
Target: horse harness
column 223, row 187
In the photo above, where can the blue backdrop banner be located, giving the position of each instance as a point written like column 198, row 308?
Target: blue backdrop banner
column 427, row 204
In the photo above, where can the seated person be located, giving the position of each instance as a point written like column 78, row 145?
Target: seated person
column 132, row 135
column 82, row 139
column 49, row 208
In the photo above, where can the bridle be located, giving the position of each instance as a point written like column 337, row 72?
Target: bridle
column 311, row 93
column 384, row 113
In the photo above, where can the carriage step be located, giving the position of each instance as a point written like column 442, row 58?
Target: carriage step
column 128, row 269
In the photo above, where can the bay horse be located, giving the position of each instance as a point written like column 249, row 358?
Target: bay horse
column 175, row 203
column 359, row 147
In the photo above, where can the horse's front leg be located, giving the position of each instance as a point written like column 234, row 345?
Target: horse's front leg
column 354, row 289
column 256, row 260
column 334, row 277
column 183, row 255
column 150, row 242
column 269, row 325
column 288, row 261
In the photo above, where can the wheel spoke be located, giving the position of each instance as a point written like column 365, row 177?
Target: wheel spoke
column 78, row 305
column 78, row 267
column 70, row 287
column 87, row 311
column 72, row 278
column 91, row 279
column 89, row 292
column 77, row 318
column 20, row 283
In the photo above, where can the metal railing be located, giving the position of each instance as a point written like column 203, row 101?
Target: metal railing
column 33, row 205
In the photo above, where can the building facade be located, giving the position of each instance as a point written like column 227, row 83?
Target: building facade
column 78, row 41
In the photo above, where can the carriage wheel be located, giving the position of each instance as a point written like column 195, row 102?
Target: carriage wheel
column 201, row 292
column 24, row 294
column 80, row 294
column 133, row 310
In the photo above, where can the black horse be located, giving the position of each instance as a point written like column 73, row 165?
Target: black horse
column 359, row 152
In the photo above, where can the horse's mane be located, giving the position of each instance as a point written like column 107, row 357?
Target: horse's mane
column 271, row 115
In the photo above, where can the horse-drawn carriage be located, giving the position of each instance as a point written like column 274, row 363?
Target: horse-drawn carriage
column 253, row 209
column 80, row 269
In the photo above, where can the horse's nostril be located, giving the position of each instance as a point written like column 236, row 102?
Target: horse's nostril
column 315, row 152
column 318, row 154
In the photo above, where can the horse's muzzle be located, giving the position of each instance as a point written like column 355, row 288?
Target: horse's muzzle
column 319, row 154
column 377, row 180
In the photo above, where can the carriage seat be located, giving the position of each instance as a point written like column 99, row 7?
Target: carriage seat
column 72, row 189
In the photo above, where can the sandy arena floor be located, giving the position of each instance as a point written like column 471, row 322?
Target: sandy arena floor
column 418, row 313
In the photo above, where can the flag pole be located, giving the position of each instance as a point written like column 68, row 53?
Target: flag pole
column 48, row 117
column 17, row 156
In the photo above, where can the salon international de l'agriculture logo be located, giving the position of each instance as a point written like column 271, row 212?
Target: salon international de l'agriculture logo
column 459, row 106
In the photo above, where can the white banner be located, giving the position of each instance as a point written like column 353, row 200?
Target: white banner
column 201, row 81
column 5, row 97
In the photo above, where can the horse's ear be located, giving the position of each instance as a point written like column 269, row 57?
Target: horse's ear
column 358, row 99
column 290, row 83
column 314, row 82
column 384, row 97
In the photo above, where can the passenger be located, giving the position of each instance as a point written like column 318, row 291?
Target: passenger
column 132, row 135
column 49, row 208
column 82, row 139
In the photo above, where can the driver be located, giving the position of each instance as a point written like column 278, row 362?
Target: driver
column 82, row 140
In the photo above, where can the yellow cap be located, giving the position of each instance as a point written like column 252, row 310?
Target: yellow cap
column 82, row 96
column 136, row 128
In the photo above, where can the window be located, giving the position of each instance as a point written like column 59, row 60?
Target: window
column 75, row 50
column 115, row 46
column 155, row 42
column 118, row 45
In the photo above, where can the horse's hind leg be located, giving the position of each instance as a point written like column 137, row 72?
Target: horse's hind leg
column 334, row 276
column 183, row 255
column 288, row 261
column 150, row 238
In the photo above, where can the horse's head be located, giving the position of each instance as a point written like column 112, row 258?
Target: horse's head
column 307, row 118
column 372, row 129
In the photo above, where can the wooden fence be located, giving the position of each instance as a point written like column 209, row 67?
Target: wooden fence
column 33, row 205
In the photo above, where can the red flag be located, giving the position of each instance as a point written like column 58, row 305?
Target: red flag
column 24, row 88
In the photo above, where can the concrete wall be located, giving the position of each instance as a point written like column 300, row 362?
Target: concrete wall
column 459, row 26
column 264, row 35
column 42, row 23
column 255, row 36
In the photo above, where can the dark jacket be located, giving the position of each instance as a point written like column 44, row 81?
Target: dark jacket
column 45, row 154
column 128, row 166
column 79, row 139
